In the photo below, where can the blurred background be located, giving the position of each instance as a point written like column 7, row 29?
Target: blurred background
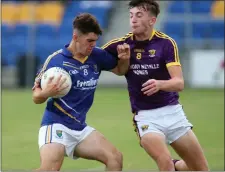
column 32, row 30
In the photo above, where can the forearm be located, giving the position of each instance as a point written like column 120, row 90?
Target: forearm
column 172, row 85
column 122, row 67
column 38, row 97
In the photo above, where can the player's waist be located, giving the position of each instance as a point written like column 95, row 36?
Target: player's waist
column 154, row 102
column 52, row 117
column 161, row 111
column 160, row 96
column 65, row 109
column 141, row 106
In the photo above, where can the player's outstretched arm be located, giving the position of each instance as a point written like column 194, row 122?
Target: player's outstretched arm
column 124, row 60
column 122, row 67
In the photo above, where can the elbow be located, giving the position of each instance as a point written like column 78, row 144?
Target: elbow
column 122, row 72
column 180, row 85
column 119, row 72
column 36, row 101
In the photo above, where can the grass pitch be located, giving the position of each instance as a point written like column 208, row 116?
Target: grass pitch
column 111, row 115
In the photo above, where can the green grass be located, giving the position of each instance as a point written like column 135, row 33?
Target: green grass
column 111, row 115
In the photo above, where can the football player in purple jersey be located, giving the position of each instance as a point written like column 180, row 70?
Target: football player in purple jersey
column 154, row 79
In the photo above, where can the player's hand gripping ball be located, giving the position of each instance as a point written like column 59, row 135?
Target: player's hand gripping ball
column 55, row 72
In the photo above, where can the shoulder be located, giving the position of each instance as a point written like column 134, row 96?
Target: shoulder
column 103, row 58
column 57, row 55
column 54, row 59
column 98, row 54
column 166, row 39
column 119, row 40
column 97, row 51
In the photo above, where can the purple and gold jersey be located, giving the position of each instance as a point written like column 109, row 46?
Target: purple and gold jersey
column 149, row 60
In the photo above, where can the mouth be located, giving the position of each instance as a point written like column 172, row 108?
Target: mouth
column 89, row 50
column 134, row 27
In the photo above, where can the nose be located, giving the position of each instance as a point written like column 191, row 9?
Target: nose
column 93, row 44
column 133, row 20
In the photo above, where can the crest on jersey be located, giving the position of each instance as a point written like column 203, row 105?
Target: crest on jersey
column 96, row 69
column 144, row 127
column 152, row 53
column 59, row 133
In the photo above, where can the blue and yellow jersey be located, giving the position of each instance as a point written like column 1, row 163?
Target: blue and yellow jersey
column 71, row 109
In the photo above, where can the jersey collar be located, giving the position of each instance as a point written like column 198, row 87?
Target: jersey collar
column 153, row 33
column 150, row 38
column 66, row 52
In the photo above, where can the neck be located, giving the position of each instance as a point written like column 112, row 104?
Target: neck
column 144, row 36
column 72, row 49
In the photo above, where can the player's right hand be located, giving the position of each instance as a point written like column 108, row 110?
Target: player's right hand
column 123, row 51
column 53, row 88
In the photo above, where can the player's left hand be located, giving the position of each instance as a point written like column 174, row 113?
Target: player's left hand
column 123, row 51
column 151, row 87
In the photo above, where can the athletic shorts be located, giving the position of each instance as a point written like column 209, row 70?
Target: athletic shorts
column 169, row 121
column 58, row 133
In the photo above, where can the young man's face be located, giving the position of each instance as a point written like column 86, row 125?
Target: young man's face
column 86, row 42
column 140, row 20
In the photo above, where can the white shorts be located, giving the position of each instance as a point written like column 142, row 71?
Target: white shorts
column 169, row 121
column 58, row 133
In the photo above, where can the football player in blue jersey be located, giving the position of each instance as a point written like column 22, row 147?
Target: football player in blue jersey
column 63, row 128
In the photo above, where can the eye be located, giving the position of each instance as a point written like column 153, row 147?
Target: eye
column 139, row 15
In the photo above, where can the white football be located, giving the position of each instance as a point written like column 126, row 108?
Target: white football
column 56, row 72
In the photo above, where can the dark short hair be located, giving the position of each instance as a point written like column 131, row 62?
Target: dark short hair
column 87, row 23
column 149, row 5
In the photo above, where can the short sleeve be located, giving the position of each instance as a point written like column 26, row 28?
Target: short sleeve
column 49, row 62
column 171, row 54
column 107, row 61
column 111, row 46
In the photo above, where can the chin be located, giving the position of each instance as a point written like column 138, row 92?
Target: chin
column 136, row 31
column 88, row 53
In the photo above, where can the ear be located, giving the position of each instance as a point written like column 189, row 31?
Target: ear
column 75, row 36
column 152, row 21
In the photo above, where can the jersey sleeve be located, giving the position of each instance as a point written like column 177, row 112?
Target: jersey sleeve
column 49, row 62
column 171, row 53
column 111, row 46
column 106, row 60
